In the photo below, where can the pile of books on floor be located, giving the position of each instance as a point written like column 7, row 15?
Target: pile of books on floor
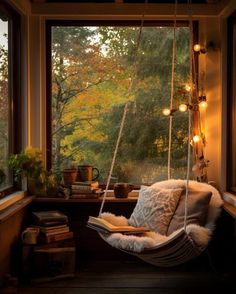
column 53, row 226
column 85, row 190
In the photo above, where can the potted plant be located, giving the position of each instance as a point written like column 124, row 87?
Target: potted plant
column 69, row 176
column 28, row 164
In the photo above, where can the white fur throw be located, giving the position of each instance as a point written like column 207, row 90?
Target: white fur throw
column 201, row 235
column 215, row 202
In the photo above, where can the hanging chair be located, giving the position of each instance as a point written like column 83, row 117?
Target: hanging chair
column 181, row 245
column 191, row 240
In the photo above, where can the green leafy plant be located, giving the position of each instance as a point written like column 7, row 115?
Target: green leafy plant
column 28, row 163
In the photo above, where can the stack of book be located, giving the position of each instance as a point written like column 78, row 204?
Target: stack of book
column 90, row 189
column 53, row 226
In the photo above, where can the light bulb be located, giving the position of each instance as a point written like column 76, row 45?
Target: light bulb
column 197, row 47
column 166, row 111
column 187, row 87
column 203, row 104
column 183, row 107
column 202, row 101
column 196, row 138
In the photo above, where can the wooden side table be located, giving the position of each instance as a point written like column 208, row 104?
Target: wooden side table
column 47, row 262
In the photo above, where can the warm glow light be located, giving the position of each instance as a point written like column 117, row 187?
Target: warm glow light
column 203, row 104
column 183, row 107
column 187, row 87
column 166, row 111
column 197, row 47
column 196, row 138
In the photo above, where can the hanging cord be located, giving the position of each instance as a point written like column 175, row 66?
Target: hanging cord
column 172, row 91
column 189, row 113
column 125, row 110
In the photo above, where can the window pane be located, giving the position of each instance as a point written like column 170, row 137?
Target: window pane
column 4, row 100
column 92, row 69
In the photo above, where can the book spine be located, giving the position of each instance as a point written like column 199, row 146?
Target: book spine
column 52, row 227
column 84, row 196
column 52, row 223
column 77, row 191
column 58, row 237
column 91, row 184
column 54, row 232
column 52, row 219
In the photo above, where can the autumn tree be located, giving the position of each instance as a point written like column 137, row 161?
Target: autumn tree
column 78, row 69
column 92, row 68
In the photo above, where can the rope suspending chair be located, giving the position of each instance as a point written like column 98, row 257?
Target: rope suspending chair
column 189, row 241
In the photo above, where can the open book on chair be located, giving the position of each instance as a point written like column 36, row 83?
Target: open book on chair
column 103, row 226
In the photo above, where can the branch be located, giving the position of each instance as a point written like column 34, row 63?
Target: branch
column 70, row 123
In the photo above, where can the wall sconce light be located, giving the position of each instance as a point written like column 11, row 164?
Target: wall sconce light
column 199, row 49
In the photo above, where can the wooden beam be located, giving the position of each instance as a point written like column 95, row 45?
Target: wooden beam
column 112, row 10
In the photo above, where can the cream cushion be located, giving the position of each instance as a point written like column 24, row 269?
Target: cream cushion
column 155, row 208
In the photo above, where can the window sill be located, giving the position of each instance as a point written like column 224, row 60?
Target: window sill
column 11, row 199
column 12, row 204
column 229, row 198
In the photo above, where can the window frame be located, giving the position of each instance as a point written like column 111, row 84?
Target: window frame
column 231, row 99
column 50, row 23
column 14, row 84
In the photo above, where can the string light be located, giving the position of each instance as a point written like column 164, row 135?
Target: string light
column 166, row 111
column 202, row 102
column 183, row 107
column 197, row 47
column 196, row 139
column 187, row 87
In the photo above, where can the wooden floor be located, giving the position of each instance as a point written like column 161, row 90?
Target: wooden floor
column 129, row 275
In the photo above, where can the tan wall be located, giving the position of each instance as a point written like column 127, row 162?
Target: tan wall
column 10, row 230
column 210, row 65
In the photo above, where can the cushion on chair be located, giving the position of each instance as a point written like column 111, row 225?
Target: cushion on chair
column 197, row 209
column 155, row 208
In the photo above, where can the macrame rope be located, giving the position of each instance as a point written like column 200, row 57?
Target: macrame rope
column 189, row 112
column 125, row 111
column 172, row 92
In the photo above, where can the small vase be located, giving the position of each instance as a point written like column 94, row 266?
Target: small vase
column 36, row 188
column 24, row 183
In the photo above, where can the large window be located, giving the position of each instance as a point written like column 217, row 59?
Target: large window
column 91, row 69
column 9, row 89
column 231, row 162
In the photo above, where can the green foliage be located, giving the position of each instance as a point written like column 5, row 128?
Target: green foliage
column 28, row 163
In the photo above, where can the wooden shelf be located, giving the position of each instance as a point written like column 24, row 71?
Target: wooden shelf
column 230, row 209
column 109, row 199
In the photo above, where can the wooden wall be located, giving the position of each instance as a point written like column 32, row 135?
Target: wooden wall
column 10, row 230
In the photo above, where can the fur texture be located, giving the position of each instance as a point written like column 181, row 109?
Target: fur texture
column 215, row 202
column 201, row 235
